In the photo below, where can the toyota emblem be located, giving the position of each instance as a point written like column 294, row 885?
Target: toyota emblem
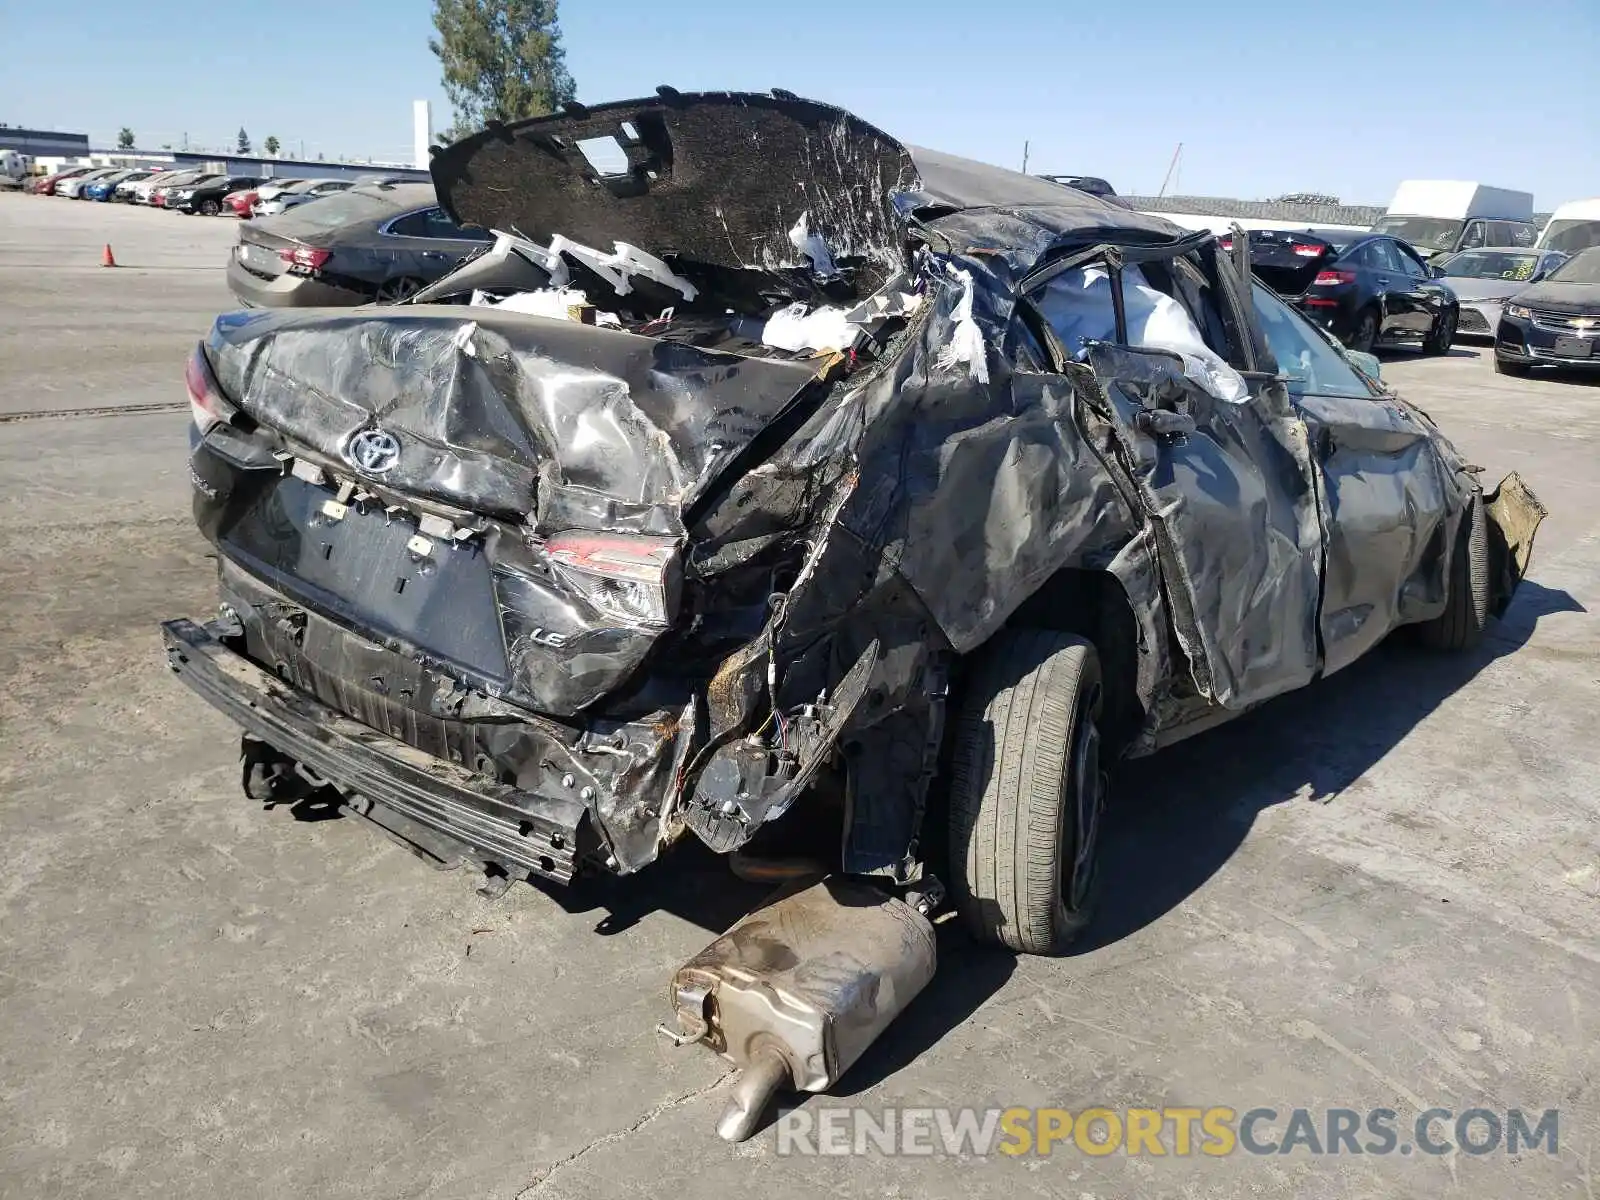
column 373, row 450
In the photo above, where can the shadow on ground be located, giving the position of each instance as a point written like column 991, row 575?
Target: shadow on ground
column 1400, row 354
column 1177, row 818
column 1590, row 378
column 1180, row 814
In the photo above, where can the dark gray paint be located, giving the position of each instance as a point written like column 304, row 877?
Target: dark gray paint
column 848, row 537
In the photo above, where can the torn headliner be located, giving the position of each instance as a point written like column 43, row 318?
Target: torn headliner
column 716, row 178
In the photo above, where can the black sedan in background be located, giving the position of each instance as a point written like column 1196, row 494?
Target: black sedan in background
column 1365, row 289
column 205, row 196
column 378, row 242
column 1554, row 323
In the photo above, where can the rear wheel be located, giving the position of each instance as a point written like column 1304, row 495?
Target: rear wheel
column 210, row 207
column 1027, row 791
column 392, row 291
column 1441, row 335
column 1366, row 332
column 1466, row 611
column 1506, row 367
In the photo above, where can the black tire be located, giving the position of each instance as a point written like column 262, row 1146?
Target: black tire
column 392, row 291
column 1506, row 367
column 210, row 208
column 1027, row 791
column 1466, row 612
column 1439, row 338
column 1365, row 335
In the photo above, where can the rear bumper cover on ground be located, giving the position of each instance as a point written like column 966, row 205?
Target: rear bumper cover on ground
column 501, row 823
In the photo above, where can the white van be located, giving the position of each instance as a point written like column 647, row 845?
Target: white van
column 1572, row 227
column 1441, row 216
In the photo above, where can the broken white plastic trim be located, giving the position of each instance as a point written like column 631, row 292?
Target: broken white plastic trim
column 596, row 260
column 634, row 261
column 615, row 268
column 547, row 260
column 625, row 261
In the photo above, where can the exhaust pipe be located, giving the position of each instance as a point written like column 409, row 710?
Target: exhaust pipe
column 797, row 990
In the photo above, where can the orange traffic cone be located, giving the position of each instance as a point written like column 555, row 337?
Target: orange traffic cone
column 107, row 259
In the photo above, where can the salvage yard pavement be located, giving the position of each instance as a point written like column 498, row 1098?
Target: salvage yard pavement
column 1378, row 892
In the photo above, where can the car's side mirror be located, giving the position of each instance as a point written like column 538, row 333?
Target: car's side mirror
column 1435, row 272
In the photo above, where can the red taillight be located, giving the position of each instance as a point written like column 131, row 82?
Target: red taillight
column 633, row 579
column 205, row 397
column 611, row 554
column 1333, row 278
column 1307, row 250
column 307, row 257
column 1225, row 243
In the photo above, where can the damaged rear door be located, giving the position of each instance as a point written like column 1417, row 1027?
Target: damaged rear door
column 1223, row 478
column 1226, row 487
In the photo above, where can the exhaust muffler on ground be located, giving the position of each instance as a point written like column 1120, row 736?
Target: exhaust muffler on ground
column 797, row 990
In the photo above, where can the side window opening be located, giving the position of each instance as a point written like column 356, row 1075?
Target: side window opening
column 1194, row 291
column 1079, row 308
column 410, row 225
column 1313, row 365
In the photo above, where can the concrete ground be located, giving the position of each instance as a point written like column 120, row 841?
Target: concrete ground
column 1379, row 892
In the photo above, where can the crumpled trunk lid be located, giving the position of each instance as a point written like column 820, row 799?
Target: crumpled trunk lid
column 505, row 414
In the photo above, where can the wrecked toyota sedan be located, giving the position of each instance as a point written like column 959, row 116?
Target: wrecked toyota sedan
column 769, row 476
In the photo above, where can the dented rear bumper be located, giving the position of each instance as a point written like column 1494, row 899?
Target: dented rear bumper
column 542, row 834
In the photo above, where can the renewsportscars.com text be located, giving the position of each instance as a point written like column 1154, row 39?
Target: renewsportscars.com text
column 1159, row 1132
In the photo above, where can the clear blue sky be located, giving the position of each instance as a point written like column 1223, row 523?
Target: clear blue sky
column 1265, row 97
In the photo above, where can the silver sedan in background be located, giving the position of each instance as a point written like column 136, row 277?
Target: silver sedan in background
column 1482, row 279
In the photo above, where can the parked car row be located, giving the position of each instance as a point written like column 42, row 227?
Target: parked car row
column 1540, row 305
column 208, row 193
